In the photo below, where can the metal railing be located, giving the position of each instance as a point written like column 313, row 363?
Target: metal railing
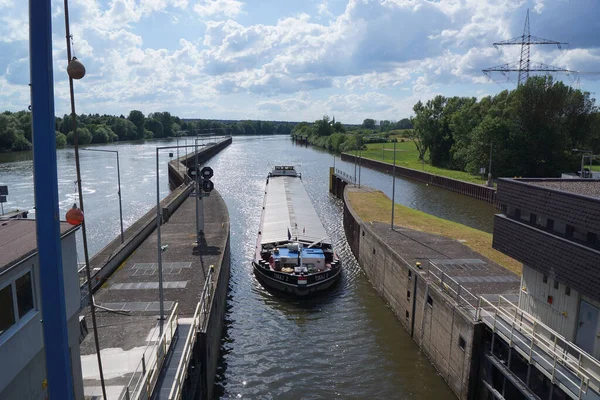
column 146, row 374
column 190, row 341
column 345, row 176
column 560, row 360
column 465, row 299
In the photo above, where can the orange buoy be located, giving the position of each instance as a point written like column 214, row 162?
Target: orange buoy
column 74, row 215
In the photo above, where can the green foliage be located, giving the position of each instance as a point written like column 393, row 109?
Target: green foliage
column 84, row 137
column 137, row 118
column 154, row 126
column 15, row 128
column 368, row 123
column 529, row 131
column 61, row 140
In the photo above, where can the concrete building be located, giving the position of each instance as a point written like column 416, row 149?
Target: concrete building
column 552, row 226
column 22, row 365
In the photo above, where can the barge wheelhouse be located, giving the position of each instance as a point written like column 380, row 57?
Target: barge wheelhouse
column 293, row 251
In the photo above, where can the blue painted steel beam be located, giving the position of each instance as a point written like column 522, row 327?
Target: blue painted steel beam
column 45, row 181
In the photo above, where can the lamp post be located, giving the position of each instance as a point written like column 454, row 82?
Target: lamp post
column 119, row 183
column 158, row 241
column 394, row 187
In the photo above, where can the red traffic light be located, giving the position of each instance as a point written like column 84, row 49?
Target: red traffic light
column 206, row 173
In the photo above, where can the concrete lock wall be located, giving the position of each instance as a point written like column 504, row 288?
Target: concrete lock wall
column 479, row 192
column 441, row 329
column 107, row 260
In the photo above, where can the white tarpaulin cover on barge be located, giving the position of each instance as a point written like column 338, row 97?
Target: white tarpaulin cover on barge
column 289, row 209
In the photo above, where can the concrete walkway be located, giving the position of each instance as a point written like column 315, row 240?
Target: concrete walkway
column 132, row 291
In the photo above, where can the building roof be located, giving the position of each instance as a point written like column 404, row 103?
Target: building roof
column 18, row 240
column 583, row 187
column 289, row 209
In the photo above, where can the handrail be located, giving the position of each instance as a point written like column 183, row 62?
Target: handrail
column 457, row 291
column 560, row 350
column 149, row 367
column 508, row 315
column 347, row 177
column 182, row 367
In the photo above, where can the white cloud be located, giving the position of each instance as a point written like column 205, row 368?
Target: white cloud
column 371, row 58
column 214, row 8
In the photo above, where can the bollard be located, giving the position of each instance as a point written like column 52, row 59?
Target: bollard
column 144, row 364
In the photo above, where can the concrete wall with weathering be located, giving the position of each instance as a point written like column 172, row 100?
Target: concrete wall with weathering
column 438, row 326
column 474, row 190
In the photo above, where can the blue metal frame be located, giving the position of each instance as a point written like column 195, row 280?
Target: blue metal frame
column 58, row 363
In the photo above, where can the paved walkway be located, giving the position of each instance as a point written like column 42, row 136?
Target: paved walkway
column 473, row 271
column 132, row 291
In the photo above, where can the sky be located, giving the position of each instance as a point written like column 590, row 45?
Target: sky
column 289, row 59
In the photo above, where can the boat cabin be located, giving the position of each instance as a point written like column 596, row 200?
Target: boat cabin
column 295, row 258
column 284, row 170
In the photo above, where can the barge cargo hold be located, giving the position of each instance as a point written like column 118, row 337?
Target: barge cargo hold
column 294, row 254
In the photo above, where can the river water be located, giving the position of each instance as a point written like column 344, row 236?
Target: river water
column 344, row 344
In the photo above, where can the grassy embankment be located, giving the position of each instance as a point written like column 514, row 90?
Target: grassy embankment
column 408, row 156
column 375, row 206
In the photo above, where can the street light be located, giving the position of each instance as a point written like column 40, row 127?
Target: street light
column 159, row 247
column 394, row 186
column 119, row 183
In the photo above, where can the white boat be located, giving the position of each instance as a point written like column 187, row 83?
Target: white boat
column 293, row 251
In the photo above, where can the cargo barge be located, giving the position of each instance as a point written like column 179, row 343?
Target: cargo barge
column 294, row 254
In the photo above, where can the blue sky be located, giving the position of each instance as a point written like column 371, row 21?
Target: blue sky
column 292, row 60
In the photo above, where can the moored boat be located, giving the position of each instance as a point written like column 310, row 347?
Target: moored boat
column 294, row 254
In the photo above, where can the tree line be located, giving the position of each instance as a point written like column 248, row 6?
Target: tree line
column 335, row 136
column 16, row 134
column 530, row 131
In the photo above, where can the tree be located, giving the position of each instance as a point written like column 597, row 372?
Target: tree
column 124, row 129
column 61, row 140
column 154, row 126
column 368, row 123
column 322, row 127
column 137, row 118
column 84, row 137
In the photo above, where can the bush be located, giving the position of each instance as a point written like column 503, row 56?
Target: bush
column 61, row 140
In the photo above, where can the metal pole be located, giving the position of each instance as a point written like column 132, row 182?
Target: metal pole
column 81, row 206
column 359, row 165
column 120, row 202
column 355, row 162
column 158, row 222
column 177, row 155
column 490, row 169
column 56, row 336
column 198, row 194
column 582, row 157
column 394, row 187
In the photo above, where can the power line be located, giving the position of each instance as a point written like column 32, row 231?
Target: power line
column 524, row 65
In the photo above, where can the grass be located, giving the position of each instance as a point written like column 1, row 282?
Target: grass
column 375, row 206
column 408, row 156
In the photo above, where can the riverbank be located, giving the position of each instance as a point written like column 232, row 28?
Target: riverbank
column 374, row 206
column 407, row 156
